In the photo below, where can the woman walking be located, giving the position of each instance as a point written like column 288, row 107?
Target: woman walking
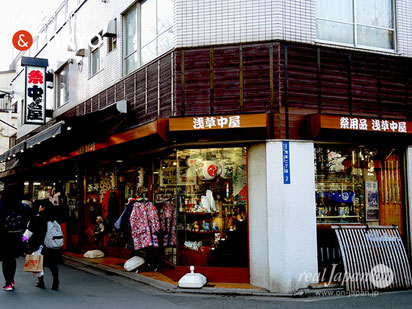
column 36, row 233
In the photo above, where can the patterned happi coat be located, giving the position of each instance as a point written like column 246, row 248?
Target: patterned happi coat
column 168, row 224
column 144, row 223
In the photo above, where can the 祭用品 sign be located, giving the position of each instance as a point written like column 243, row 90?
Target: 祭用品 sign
column 35, row 95
column 355, row 123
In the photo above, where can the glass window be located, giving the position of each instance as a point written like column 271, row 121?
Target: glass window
column 148, row 35
column 62, row 87
column 95, row 55
column 209, row 187
column 371, row 20
column 358, row 184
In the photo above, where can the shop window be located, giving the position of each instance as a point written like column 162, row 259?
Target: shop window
column 148, row 32
column 361, row 23
column 209, row 187
column 62, row 86
column 95, row 54
column 358, row 185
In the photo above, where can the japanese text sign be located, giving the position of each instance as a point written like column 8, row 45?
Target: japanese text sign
column 218, row 122
column 357, row 123
column 286, row 162
column 35, row 95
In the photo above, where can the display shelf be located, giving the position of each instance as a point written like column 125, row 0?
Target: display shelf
column 200, row 213
column 335, row 217
column 200, row 232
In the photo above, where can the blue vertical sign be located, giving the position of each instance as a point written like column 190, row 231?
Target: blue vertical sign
column 286, row 162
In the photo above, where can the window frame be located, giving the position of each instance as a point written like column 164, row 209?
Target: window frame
column 138, row 51
column 58, row 97
column 355, row 26
column 96, row 52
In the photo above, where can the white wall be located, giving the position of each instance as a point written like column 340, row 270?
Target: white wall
column 409, row 194
column 258, row 216
column 282, row 234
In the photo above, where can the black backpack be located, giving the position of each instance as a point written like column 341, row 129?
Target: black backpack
column 14, row 223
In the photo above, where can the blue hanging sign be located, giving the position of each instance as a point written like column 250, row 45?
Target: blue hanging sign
column 286, row 162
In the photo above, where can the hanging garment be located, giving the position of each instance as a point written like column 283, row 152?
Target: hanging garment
column 168, row 224
column 144, row 222
column 125, row 227
column 105, row 204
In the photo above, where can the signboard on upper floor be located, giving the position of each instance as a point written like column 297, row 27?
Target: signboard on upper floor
column 358, row 123
column 222, row 122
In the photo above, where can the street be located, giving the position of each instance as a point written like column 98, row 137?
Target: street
column 90, row 288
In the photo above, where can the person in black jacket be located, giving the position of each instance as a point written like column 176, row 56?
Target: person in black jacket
column 11, row 230
column 38, row 227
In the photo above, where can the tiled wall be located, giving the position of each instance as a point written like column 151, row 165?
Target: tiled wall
column 214, row 22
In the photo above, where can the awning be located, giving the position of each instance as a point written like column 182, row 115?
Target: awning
column 12, row 151
column 45, row 134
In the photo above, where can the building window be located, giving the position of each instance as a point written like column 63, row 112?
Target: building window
column 364, row 23
column 62, row 86
column 95, row 54
column 359, row 184
column 148, row 32
column 112, row 39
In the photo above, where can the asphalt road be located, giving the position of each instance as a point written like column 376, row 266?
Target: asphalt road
column 90, row 288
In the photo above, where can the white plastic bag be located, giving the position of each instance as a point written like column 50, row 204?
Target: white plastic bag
column 133, row 263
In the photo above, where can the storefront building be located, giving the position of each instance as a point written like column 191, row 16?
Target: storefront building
column 243, row 155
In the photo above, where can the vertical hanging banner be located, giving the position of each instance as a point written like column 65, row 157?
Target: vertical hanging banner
column 286, row 162
column 35, row 90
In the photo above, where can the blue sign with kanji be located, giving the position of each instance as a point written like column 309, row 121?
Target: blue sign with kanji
column 286, row 162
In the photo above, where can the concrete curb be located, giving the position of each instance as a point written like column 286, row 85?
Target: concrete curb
column 171, row 288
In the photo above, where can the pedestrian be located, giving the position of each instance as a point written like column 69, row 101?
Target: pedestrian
column 35, row 235
column 11, row 230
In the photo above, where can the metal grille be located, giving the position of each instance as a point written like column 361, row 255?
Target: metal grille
column 363, row 248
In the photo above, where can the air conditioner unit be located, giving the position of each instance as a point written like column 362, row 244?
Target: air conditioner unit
column 80, row 52
column 110, row 30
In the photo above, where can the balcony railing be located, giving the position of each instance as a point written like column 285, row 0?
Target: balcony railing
column 5, row 105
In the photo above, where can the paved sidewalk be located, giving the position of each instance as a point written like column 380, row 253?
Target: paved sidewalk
column 158, row 280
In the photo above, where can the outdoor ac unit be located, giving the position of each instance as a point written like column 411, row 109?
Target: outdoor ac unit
column 110, row 30
column 80, row 52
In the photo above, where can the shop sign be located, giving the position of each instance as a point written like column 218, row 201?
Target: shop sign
column 218, row 122
column 35, row 95
column 353, row 123
column 286, row 162
column 319, row 122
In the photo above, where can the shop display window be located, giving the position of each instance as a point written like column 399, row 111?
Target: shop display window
column 209, row 190
column 358, row 184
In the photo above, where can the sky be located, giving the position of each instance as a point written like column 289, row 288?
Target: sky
column 21, row 15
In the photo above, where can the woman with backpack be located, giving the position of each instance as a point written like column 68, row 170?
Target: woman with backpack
column 36, row 233
column 11, row 230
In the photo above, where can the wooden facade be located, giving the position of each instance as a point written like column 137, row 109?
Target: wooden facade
column 287, row 80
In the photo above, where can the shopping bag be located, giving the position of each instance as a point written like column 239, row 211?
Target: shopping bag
column 33, row 263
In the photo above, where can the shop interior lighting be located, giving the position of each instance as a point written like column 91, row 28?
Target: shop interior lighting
column 69, row 128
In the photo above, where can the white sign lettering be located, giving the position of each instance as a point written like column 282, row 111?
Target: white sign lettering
column 353, row 123
column 220, row 122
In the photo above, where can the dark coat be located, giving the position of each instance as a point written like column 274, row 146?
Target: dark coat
column 11, row 245
column 38, row 226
